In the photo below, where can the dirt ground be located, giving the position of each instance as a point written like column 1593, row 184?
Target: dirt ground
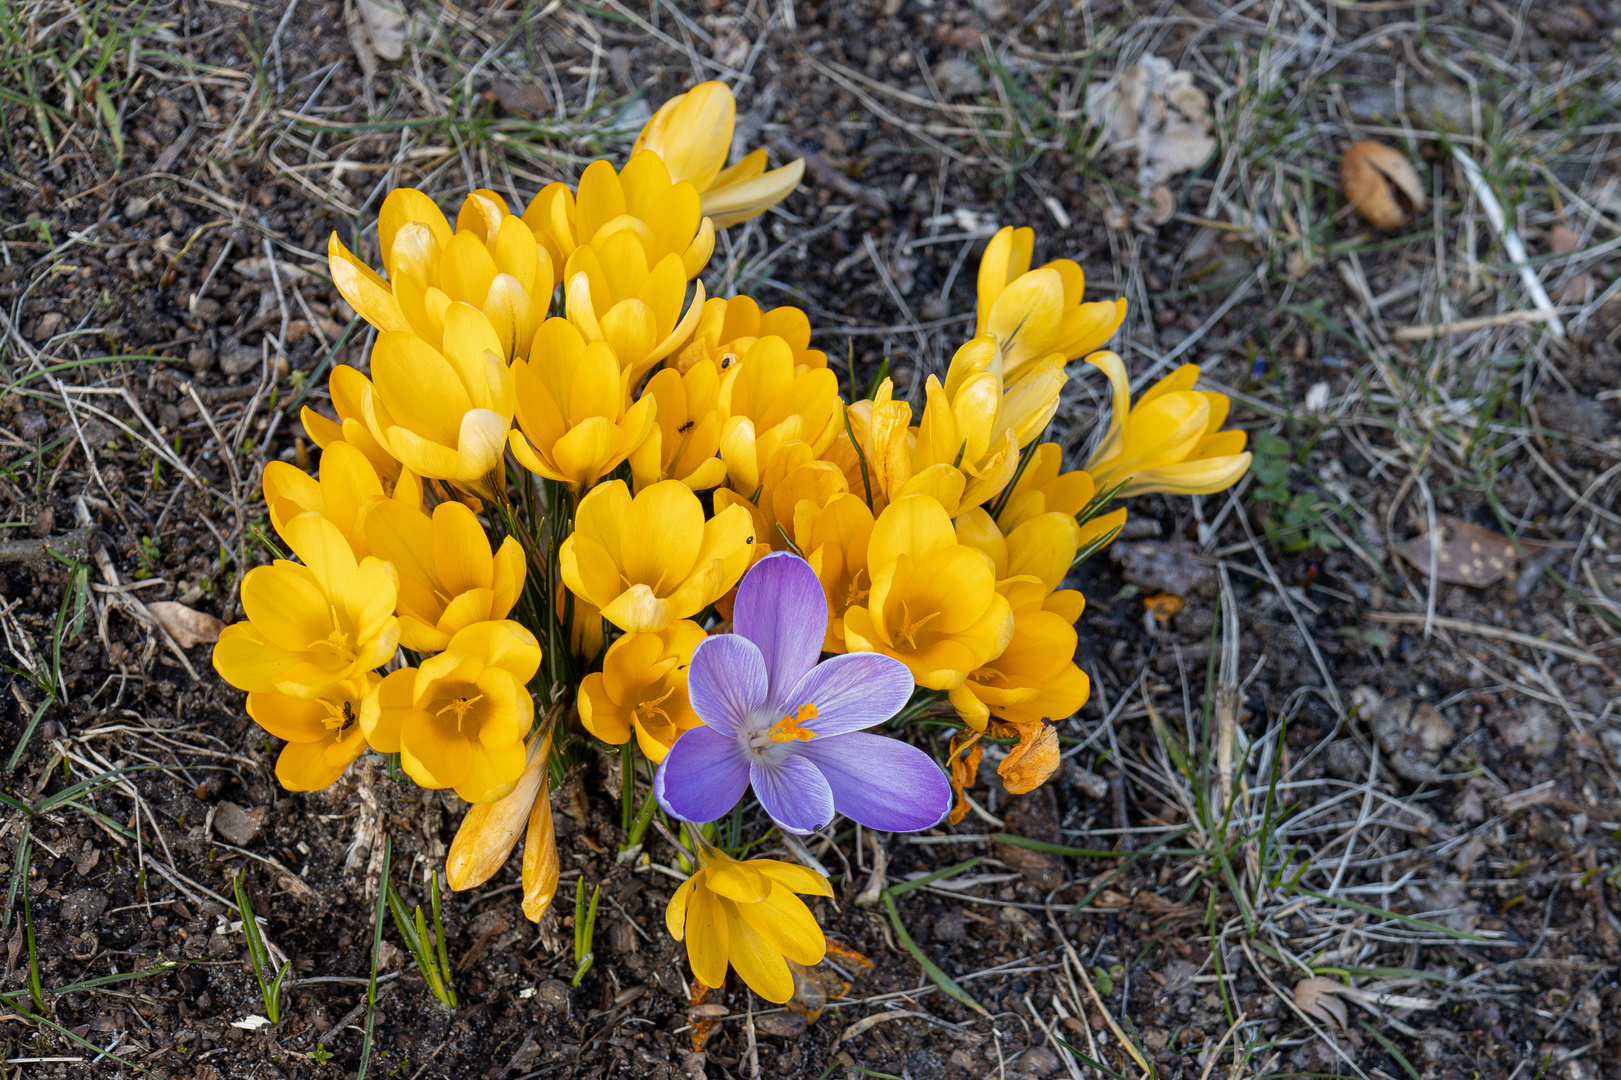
column 1348, row 813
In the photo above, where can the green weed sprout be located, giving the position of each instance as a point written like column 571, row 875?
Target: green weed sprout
column 585, row 927
column 431, row 958
column 259, row 954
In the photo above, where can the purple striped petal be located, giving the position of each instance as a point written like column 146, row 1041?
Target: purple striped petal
column 702, row 776
column 780, row 607
column 794, row 792
column 726, row 682
column 883, row 783
column 851, row 692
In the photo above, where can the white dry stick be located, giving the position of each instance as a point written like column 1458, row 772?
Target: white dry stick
column 1511, row 240
column 1058, row 1047
column 875, row 884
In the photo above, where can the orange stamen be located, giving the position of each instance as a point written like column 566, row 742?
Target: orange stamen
column 791, row 727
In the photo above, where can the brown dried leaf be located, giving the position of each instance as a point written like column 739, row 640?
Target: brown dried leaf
column 1319, row 997
column 1466, row 555
column 1382, row 184
column 186, row 626
column 964, row 755
column 703, row 1016
column 813, row 986
column 1029, row 764
column 530, row 99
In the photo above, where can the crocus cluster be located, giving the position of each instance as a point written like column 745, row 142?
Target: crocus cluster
column 577, row 504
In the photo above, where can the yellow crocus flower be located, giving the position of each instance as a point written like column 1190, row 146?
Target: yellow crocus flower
column 692, row 133
column 444, row 414
column 1170, row 441
column 309, row 626
column 323, row 733
column 686, row 431
column 732, row 325
column 614, row 293
column 933, row 603
column 972, row 424
column 449, row 580
column 1034, row 313
column 745, row 914
column 768, row 403
column 572, row 405
column 490, row 830
column 459, row 720
column 347, row 490
column 491, row 260
column 652, row 559
column 347, row 386
column 663, row 215
column 1043, row 489
column 642, row 688
column 833, row 538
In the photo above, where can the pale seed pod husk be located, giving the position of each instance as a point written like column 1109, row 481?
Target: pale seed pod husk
column 540, row 866
column 1382, row 184
column 489, row 830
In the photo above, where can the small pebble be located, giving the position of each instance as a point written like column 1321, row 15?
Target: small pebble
column 786, row 1025
column 552, row 995
column 31, row 424
column 240, row 359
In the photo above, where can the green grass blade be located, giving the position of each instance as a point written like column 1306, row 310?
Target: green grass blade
column 1390, row 1047
column 1421, row 924
column 945, row 982
column 376, row 958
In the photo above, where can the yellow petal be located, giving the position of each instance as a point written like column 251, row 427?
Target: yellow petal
column 740, row 201
column 405, row 206
column 367, row 293
column 692, row 133
column 759, row 965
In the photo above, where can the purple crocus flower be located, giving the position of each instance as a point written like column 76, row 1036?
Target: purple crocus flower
column 792, row 727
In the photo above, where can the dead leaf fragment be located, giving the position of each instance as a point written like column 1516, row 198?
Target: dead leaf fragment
column 1382, row 184
column 1318, row 997
column 1163, row 606
column 186, row 626
column 530, row 99
column 376, row 32
column 813, row 986
column 1465, row 555
column 1156, row 111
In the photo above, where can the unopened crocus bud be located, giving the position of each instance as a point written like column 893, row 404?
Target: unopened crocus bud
column 540, row 867
column 490, row 830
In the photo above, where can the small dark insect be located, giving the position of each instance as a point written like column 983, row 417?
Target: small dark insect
column 688, row 426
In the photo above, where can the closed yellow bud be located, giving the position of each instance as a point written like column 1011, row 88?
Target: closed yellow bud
column 692, row 133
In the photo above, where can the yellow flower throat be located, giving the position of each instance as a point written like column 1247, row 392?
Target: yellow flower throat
column 461, row 707
column 908, row 630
